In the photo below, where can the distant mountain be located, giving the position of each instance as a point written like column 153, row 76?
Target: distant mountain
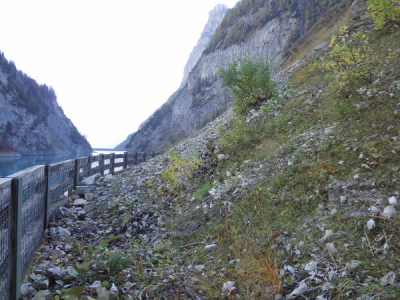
column 214, row 20
column 260, row 29
column 31, row 121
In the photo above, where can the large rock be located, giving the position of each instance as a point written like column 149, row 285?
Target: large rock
column 358, row 9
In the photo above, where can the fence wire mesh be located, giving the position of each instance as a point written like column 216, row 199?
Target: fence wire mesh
column 84, row 168
column 39, row 183
column 62, row 177
column 33, row 212
column 6, row 219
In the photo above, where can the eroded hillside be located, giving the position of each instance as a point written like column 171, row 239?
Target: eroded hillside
column 298, row 202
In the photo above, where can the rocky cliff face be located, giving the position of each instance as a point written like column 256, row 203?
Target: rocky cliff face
column 265, row 30
column 31, row 121
column 215, row 18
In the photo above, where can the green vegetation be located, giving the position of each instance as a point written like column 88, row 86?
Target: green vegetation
column 304, row 175
column 353, row 61
column 234, row 29
column 180, row 168
column 33, row 97
column 384, row 12
column 334, row 124
column 250, row 82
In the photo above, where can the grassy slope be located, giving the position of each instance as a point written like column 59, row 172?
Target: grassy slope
column 294, row 197
column 326, row 160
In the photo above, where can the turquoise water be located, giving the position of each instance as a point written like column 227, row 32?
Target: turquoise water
column 10, row 165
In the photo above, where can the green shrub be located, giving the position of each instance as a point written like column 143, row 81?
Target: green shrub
column 179, row 169
column 384, row 12
column 352, row 59
column 240, row 137
column 250, row 82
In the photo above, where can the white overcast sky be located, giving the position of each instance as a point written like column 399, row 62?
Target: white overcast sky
column 111, row 63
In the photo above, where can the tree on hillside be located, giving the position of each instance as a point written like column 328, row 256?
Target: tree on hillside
column 250, row 82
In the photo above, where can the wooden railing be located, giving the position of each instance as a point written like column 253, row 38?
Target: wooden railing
column 31, row 197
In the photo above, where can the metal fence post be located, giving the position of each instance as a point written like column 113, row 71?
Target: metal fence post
column 17, row 195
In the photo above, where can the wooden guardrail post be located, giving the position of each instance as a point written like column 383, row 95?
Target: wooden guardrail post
column 47, row 203
column 90, row 165
column 77, row 169
column 125, row 160
column 101, row 164
column 17, row 196
column 112, row 162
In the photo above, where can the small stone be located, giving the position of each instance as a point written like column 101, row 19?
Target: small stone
column 370, row 224
column 331, row 248
column 210, row 247
column 81, row 215
column 57, row 272
column 65, row 211
column 343, row 199
column 91, row 180
column 26, row 288
column 388, row 211
column 311, row 266
column 89, row 196
column 108, row 178
column 40, row 282
column 229, row 288
column 79, row 202
column 389, row 278
column 95, row 285
column 63, row 231
column 42, row 295
column 199, row 268
column 81, row 190
column 113, row 288
column 140, row 182
column 328, row 234
column 392, row 200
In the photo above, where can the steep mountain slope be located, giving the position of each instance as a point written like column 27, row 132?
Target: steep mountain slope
column 259, row 29
column 299, row 202
column 31, row 121
column 215, row 17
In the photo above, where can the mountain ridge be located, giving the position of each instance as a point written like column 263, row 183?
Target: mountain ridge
column 202, row 98
column 31, row 121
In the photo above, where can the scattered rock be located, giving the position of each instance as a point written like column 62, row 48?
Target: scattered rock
column 210, row 247
column 91, row 180
column 79, row 202
column 358, row 9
